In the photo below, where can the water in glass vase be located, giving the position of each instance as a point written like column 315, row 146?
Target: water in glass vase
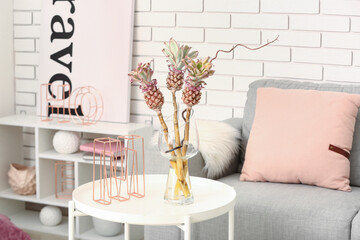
column 179, row 144
column 178, row 191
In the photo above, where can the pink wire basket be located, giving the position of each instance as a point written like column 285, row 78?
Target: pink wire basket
column 118, row 177
column 134, row 153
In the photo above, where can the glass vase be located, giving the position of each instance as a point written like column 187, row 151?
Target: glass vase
column 178, row 144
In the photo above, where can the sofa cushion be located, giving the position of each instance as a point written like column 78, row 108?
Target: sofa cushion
column 276, row 211
column 293, row 134
column 249, row 113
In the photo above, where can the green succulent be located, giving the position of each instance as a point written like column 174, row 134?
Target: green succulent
column 176, row 54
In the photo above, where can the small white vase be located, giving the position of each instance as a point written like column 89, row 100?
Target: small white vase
column 106, row 228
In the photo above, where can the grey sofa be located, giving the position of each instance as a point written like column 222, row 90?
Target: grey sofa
column 275, row 211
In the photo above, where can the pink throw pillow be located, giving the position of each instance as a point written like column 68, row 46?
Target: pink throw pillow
column 301, row 136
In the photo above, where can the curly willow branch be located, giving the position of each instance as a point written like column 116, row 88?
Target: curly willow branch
column 242, row 45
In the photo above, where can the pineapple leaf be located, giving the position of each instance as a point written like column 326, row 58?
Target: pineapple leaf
column 186, row 50
column 143, row 76
column 193, row 54
column 174, row 47
column 182, row 64
column 179, row 56
column 166, row 52
column 172, row 62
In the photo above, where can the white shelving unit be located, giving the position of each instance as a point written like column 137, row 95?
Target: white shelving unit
column 13, row 205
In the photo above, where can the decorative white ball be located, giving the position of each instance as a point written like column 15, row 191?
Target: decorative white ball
column 66, row 142
column 50, row 216
column 106, row 228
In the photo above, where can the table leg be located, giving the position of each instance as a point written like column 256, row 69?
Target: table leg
column 187, row 228
column 71, row 220
column 231, row 224
column 127, row 231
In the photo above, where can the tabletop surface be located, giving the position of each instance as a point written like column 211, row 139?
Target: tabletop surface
column 211, row 199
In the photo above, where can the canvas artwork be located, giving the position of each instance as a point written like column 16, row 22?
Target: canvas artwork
column 86, row 43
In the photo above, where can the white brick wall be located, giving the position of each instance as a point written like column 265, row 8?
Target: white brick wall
column 319, row 41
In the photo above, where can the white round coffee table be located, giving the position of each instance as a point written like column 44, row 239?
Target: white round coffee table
column 211, row 199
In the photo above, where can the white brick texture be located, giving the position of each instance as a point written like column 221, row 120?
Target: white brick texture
column 142, row 5
column 142, row 33
column 342, row 74
column 232, row 36
column 241, row 6
column 25, row 72
column 210, row 20
column 22, row 18
column 345, row 7
column 27, row 4
column 265, row 54
column 175, row 5
column 291, row 38
column 180, row 34
column 27, row 99
column 320, row 23
column 291, row 70
column 236, row 99
column 319, row 40
column 218, row 82
column 233, row 67
column 355, row 24
column 154, row 19
column 259, row 21
column 341, row 40
column 290, row 6
column 24, row 45
column 322, row 56
column 357, row 58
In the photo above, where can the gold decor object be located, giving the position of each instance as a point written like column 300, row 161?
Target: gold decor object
column 22, row 179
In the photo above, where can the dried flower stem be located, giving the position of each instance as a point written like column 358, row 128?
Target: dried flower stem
column 177, row 138
column 187, row 130
column 242, row 45
column 179, row 161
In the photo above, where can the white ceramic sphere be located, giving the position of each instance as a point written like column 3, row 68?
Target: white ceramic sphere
column 50, row 216
column 66, row 142
column 106, row 228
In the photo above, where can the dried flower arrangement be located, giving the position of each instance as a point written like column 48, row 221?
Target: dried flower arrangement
column 181, row 61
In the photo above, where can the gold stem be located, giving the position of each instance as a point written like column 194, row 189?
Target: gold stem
column 183, row 186
column 187, row 130
column 179, row 162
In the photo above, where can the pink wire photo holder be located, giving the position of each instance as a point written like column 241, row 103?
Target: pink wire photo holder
column 134, row 153
column 111, row 169
column 116, row 174
column 64, row 179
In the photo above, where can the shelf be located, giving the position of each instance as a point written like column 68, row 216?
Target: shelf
column 29, row 220
column 92, row 235
column 109, row 128
column 75, row 157
column 11, row 137
column 53, row 155
column 10, row 194
column 50, row 200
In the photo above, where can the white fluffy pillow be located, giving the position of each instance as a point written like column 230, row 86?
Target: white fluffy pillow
column 218, row 144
